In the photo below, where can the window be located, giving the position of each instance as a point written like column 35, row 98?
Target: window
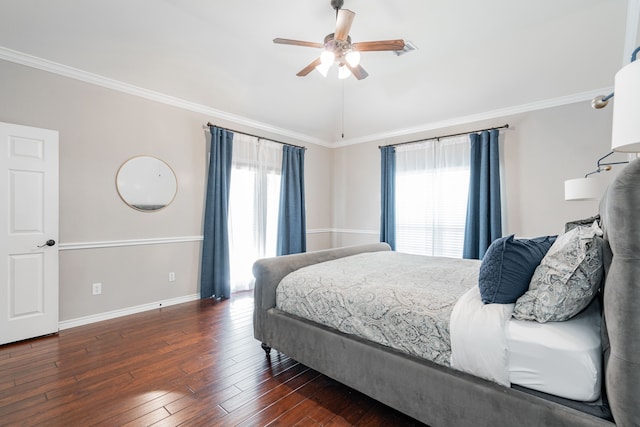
column 254, row 198
column 432, row 186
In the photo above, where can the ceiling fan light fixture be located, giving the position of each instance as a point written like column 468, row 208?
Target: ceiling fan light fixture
column 353, row 58
column 337, row 47
column 343, row 72
column 323, row 69
column 327, row 58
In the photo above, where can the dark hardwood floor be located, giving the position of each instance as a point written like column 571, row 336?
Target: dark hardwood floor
column 193, row 364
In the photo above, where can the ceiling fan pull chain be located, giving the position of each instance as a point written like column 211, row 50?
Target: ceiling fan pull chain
column 343, row 109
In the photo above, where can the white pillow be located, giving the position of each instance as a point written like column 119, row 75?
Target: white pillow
column 567, row 279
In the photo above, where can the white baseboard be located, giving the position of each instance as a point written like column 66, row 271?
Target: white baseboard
column 66, row 324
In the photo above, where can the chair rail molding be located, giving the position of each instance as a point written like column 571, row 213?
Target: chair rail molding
column 181, row 239
column 342, row 231
column 130, row 242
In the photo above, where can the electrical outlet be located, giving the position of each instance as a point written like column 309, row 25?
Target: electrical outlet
column 172, row 276
column 96, row 288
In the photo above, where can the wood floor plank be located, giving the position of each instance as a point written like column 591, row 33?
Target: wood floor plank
column 26, row 369
column 198, row 412
column 148, row 418
column 357, row 406
column 307, row 422
column 274, row 366
column 137, row 414
column 263, row 388
column 297, row 415
column 4, row 385
column 332, row 398
column 32, row 389
column 225, row 374
column 192, row 364
column 20, row 406
column 108, row 402
column 280, row 407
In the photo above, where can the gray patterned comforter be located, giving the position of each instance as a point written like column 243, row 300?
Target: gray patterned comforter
column 398, row 300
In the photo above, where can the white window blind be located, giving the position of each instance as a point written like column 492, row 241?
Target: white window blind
column 432, row 186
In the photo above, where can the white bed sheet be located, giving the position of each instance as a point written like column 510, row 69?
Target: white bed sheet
column 559, row 358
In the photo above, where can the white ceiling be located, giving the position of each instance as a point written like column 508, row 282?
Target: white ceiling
column 474, row 57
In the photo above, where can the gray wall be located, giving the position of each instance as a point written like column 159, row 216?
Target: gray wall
column 101, row 128
column 540, row 150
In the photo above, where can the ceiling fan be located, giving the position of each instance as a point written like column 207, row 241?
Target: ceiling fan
column 339, row 49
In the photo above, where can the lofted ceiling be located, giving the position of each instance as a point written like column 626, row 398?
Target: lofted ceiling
column 474, row 58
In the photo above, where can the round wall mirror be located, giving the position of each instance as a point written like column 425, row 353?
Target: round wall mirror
column 146, row 183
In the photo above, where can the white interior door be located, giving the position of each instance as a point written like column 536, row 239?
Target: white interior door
column 28, row 232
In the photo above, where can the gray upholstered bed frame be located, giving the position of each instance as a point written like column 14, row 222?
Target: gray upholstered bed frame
column 440, row 396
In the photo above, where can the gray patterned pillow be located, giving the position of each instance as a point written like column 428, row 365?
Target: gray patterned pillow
column 566, row 280
column 586, row 222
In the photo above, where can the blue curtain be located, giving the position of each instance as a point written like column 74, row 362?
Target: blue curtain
column 484, row 218
column 292, row 227
column 215, row 281
column 388, row 196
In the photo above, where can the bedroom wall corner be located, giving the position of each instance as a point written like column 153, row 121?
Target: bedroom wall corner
column 541, row 150
column 99, row 129
column 102, row 240
column 319, row 201
column 356, row 194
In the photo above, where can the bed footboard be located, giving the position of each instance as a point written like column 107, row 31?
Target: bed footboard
column 270, row 271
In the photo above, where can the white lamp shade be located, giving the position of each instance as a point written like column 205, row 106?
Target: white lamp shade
column 327, row 58
column 343, row 72
column 323, row 68
column 353, row 58
column 583, row 189
column 626, row 110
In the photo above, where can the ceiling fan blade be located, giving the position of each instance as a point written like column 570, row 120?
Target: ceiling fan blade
column 379, row 45
column 309, row 68
column 357, row 71
column 297, row 42
column 343, row 24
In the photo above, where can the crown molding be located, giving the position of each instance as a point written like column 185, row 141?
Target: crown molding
column 489, row 115
column 96, row 79
column 74, row 73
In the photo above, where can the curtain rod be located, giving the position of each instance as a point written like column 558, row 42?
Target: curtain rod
column 209, row 124
column 505, row 126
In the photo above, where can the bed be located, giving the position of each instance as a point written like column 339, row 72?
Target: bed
column 423, row 383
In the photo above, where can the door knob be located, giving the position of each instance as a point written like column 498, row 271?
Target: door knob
column 48, row 243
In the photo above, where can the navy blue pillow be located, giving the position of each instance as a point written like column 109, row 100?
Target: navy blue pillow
column 508, row 265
